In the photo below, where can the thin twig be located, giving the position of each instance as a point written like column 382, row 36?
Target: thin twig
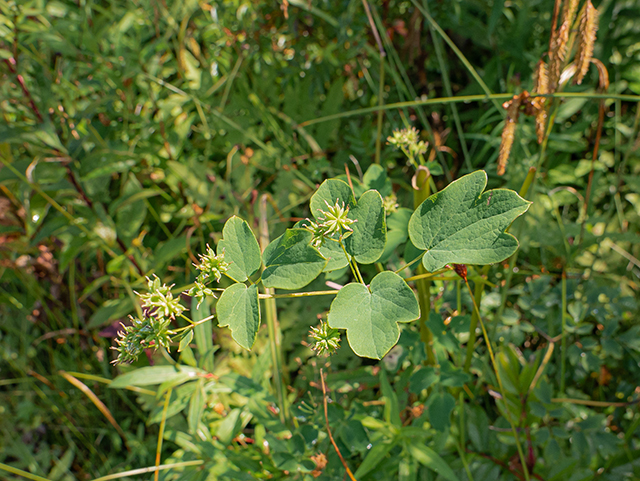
column 161, row 433
column 594, row 157
column 326, row 418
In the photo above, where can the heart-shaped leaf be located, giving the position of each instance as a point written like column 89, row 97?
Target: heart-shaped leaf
column 290, row 261
column 238, row 308
column 328, row 192
column 371, row 315
column 330, row 250
column 461, row 224
column 366, row 244
column 240, row 248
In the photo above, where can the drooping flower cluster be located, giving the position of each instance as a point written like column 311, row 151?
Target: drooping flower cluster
column 336, row 221
column 151, row 330
column 143, row 333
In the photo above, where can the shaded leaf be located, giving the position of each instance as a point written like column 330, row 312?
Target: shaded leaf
column 238, row 308
column 432, row 460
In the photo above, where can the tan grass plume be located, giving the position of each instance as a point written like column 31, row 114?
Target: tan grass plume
column 508, row 132
column 558, row 53
column 541, row 86
column 586, row 40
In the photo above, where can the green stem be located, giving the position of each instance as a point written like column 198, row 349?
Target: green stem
column 477, row 299
column 22, row 473
column 271, row 315
column 424, row 295
column 456, row 99
column 161, row 433
column 352, row 263
column 192, row 324
column 447, row 88
column 563, row 356
column 462, row 441
column 380, row 112
column 524, row 190
column 298, row 294
column 503, row 393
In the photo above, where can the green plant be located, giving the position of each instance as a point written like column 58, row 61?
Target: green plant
column 131, row 131
column 460, row 224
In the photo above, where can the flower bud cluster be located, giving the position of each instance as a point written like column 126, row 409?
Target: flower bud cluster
column 151, row 330
column 335, row 221
column 211, row 267
column 408, row 141
column 326, row 340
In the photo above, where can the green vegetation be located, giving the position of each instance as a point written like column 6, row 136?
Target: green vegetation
column 307, row 240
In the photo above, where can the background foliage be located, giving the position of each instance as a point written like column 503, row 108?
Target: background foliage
column 131, row 131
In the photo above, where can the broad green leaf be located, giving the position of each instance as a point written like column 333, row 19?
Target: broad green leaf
column 422, row 379
column 240, row 248
column 328, row 192
column 334, row 254
column 203, row 333
column 369, row 237
column 290, row 261
column 439, row 408
column 432, row 460
column 376, row 178
column 186, row 340
column 373, row 458
column 461, row 224
column 196, row 406
column 239, row 309
column 330, row 250
column 150, row 375
column 370, row 315
column 391, row 407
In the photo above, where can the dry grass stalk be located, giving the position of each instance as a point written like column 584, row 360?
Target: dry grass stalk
column 508, row 132
column 587, row 38
column 558, row 52
column 603, row 74
column 540, row 86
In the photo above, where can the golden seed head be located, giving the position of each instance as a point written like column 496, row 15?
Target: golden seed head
column 586, row 40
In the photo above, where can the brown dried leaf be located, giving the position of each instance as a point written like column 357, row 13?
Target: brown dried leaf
column 586, row 40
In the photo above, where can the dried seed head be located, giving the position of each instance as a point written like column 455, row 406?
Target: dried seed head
column 541, row 86
column 508, row 132
column 586, row 40
column 541, row 78
column 558, row 53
